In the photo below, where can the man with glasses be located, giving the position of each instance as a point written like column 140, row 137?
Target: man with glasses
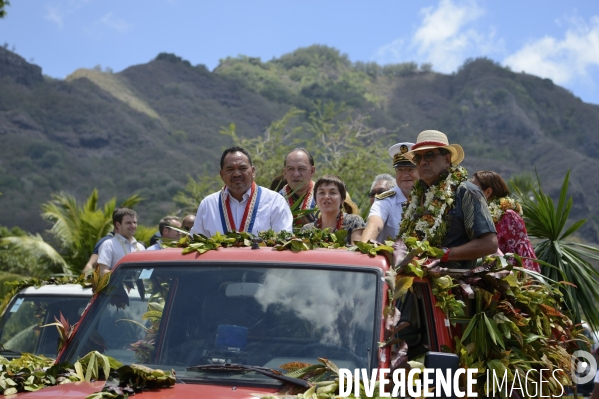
column 164, row 227
column 445, row 208
column 385, row 213
column 298, row 170
column 381, row 183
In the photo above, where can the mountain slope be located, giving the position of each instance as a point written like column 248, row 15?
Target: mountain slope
column 145, row 129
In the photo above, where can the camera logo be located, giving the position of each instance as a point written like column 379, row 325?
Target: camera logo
column 584, row 367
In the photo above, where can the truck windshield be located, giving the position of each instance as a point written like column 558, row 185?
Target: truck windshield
column 20, row 326
column 179, row 317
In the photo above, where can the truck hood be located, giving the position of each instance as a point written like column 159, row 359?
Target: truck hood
column 200, row 391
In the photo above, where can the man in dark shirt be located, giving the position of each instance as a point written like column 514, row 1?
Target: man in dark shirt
column 444, row 207
column 94, row 256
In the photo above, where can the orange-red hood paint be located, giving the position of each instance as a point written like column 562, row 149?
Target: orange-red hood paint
column 179, row 391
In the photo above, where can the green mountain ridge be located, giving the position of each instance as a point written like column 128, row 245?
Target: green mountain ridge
column 145, row 129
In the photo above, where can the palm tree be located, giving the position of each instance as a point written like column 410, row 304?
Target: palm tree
column 75, row 229
column 565, row 260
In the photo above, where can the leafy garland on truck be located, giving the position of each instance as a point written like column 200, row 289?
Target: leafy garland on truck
column 517, row 324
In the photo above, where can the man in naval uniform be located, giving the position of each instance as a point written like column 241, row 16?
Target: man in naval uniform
column 385, row 213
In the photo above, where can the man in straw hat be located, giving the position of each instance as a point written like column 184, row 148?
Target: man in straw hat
column 385, row 213
column 444, row 207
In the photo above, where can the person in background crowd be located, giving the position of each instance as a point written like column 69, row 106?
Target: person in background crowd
column 123, row 242
column 457, row 218
column 164, row 227
column 241, row 205
column 93, row 259
column 330, row 195
column 278, row 183
column 155, row 238
column 385, row 213
column 187, row 222
column 380, row 184
column 298, row 170
column 507, row 216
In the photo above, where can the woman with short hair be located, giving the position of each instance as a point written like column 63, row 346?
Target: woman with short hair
column 507, row 216
column 330, row 193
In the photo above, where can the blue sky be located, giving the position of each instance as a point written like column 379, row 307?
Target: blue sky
column 555, row 39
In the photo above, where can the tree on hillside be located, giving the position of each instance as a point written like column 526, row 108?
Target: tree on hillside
column 567, row 259
column 3, row 4
column 340, row 142
column 75, row 230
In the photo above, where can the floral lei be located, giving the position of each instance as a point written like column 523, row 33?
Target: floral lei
column 423, row 215
column 501, row 205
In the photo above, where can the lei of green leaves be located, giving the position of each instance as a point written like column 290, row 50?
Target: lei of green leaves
column 443, row 195
column 30, row 373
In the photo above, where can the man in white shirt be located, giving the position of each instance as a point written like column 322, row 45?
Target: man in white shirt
column 241, row 205
column 123, row 242
column 385, row 213
column 164, row 227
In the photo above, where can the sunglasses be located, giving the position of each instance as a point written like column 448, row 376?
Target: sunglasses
column 428, row 157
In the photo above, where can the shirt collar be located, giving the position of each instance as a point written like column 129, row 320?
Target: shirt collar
column 119, row 236
column 246, row 195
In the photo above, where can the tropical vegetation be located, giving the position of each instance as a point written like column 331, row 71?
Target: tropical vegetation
column 564, row 259
column 76, row 228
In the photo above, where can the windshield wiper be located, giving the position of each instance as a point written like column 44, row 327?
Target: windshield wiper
column 4, row 350
column 262, row 370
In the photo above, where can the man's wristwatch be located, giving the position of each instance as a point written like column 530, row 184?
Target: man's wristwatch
column 445, row 257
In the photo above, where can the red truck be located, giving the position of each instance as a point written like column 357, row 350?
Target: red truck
column 225, row 319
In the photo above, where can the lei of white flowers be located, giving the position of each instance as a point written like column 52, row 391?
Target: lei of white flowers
column 438, row 200
column 499, row 206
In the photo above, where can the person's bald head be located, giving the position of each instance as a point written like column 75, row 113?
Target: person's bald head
column 187, row 222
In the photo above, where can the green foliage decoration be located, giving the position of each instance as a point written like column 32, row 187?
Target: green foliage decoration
column 562, row 259
column 517, row 324
column 30, row 373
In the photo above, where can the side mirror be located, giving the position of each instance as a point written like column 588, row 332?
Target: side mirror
column 441, row 362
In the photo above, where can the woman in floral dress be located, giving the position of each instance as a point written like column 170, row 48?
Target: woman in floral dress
column 507, row 216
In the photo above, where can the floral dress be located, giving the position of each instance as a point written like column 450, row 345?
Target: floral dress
column 513, row 238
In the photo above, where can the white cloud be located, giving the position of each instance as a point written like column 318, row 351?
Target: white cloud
column 562, row 60
column 390, row 53
column 55, row 15
column 445, row 37
column 116, row 24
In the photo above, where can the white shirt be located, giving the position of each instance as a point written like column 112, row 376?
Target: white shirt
column 272, row 213
column 112, row 250
column 389, row 209
column 154, row 247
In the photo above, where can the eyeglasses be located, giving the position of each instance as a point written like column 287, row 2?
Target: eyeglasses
column 404, row 169
column 373, row 193
column 428, row 157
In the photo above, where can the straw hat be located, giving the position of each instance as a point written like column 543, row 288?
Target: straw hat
column 398, row 153
column 430, row 139
column 350, row 206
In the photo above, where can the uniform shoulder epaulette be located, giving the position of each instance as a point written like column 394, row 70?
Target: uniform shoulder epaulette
column 384, row 195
